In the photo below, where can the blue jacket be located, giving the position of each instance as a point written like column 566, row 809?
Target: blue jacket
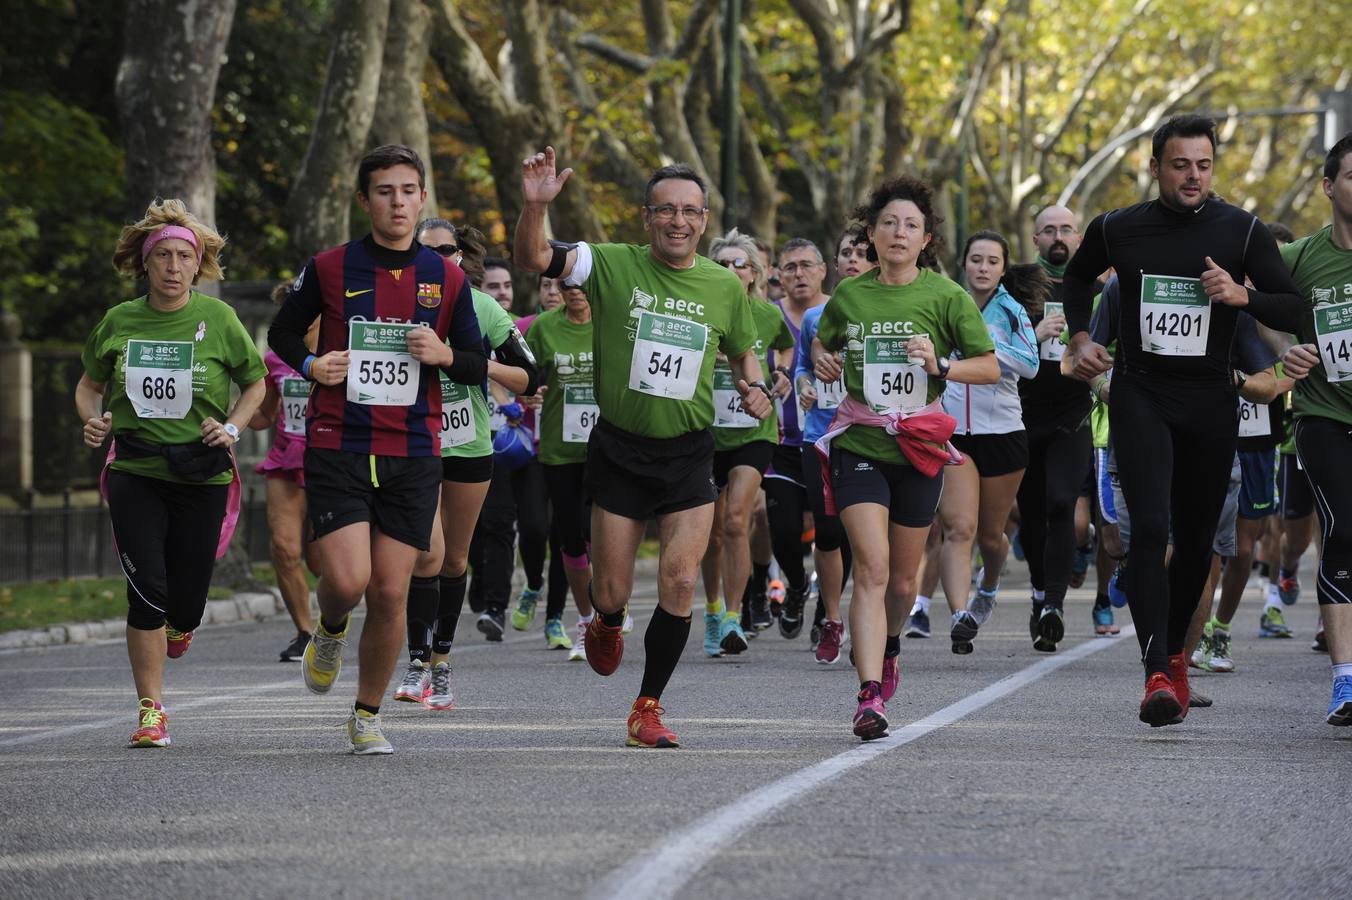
column 995, row 408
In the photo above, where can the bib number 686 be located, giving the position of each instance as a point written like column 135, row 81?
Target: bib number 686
column 158, row 388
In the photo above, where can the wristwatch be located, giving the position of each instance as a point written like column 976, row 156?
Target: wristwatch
column 233, row 430
column 760, row 384
column 942, row 364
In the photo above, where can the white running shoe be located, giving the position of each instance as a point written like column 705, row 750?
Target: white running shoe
column 579, row 651
column 416, row 684
column 440, row 695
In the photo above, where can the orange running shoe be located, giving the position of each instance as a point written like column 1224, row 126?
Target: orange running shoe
column 1160, row 706
column 1178, row 677
column 178, row 641
column 605, row 645
column 645, row 725
column 154, row 730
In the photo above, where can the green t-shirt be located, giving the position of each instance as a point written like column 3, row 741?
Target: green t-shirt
column 165, row 372
column 656, row 333
column 563, row 352
column 1323, row 272
column 871, row 322
column 733, row 427
column 463, row 406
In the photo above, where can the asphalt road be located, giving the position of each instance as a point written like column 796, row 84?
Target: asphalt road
column 1019, row 775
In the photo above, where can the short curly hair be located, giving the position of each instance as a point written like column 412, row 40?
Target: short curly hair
column 127, row 256
column 903, row 187
column 737, row 240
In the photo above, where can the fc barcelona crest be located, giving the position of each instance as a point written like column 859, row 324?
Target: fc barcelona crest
column 429, row 295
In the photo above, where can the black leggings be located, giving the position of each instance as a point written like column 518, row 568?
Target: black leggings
column 1175, row 444
column 166, row 535
column 532, row 520
column 492, row 548
column 830, row 534
column 1058, row 462
column 570, row 509
column 785, row 503
column 1325, row 447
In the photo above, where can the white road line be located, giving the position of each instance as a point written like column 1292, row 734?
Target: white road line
column 670, row 864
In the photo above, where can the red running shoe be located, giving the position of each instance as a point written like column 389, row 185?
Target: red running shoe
column 605, row 646
column 1160, row 706
column 646, row 728
column 154, row 730
column 178, row 641
column 1178, row 677
column 870, row 719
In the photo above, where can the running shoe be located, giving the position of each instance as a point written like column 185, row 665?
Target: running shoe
column 1178, row 677
column 760, row 613
column 962, row 632
column 1198, row 700
column 1160, row 706
column 774, row 598
column 1117, row 594
column 713, row 628
column 296, row 649
column 491, row 622
column 917, row 624
column 417, row 683
column 1220, row 660
column 1051, row 627
column 891, row 677
column 1201, row 657
column 524, row 613
column 1288, row 588
column 1103, row 622
column 870, row 719
column 154, row 730
column 646, row 728
column 556, row 638
column 323, row 657
column 628, row 625
column 363, row 729
column 731, row 637
column 1272, row 624
column 1340, row 706
column 982, row 604
column 605, row 646
column 1320, row 644
column 828, row 648
column 818, row 615
column 579, row 651
column 176, row 641
column 791, row 615
column 440, row 695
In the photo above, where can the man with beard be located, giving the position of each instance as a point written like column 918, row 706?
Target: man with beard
column 1060, row 448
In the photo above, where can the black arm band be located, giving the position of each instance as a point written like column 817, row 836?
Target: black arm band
column 468, row 367
column 557, row 262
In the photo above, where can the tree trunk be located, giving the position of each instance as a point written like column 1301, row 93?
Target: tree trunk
column 400, row 117
column 166, row 89
column 319, row 208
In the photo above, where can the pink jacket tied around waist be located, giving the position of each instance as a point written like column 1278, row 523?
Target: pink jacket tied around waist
column 922, row 437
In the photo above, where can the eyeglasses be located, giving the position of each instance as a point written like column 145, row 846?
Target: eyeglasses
column 795, row 268
column 1053, row 231
column 666, row 212
column 447, row 249
column 738, row 263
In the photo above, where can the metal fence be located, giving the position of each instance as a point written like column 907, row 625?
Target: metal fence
column 75, row 541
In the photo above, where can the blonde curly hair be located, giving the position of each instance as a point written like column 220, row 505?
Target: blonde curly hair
column 127, row 256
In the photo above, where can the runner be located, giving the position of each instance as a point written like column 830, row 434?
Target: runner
column 157, row 376
column 1182, row 260
column 498, row 281
column 660, row 315
column 743, row 447
column 1321, row 265
column 372, row 463
column 979, row 493
column 288, row 393
column 899, row 326
column 436, row 594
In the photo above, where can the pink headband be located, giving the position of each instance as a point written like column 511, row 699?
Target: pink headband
column 168, row 232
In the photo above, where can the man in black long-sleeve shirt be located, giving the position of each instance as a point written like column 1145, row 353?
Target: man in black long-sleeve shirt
column 1182, row 260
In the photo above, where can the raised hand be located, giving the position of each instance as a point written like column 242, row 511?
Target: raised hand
column 540, row 183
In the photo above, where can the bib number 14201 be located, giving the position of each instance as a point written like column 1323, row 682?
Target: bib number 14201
column 1175, row 315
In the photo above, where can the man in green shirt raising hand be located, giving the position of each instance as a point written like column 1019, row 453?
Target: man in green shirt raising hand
column 661, row 313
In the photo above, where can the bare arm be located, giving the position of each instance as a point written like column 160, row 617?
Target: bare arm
column 89, row 406
column 746, row 369
column 513, row 378
column 267, row 410
column 1261, row 387
column 213, row 432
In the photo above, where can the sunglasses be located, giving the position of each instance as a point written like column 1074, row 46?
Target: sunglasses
column 447, row 249
column 738, row 263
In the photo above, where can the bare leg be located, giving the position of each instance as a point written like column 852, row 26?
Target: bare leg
column 386, row 601
column 286, row 524
column 614, row 548
column 738, row 500
column 866, row 526
column 958, row 510
column 146, row 651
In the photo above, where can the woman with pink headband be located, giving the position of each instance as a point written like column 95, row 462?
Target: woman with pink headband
column 157, row 377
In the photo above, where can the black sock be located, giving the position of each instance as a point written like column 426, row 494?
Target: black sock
column 876, row 686
column 331, row 628
column 423, row 596
column 613, row 620
column 452, row 601
column 893, row 647
column 362, row 707
column 1101, row 601
column 760, row 578
column 662, row 643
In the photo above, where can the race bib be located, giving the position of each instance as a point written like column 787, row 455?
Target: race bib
column 1052, row 349
column 159, row 378
column 496, row 420
column 1254, row 419
column 1333, row 334
column 891, row 380
column 728, row 411
column 457, row 414
column 381, row 371
column 668, row 354
column 829, row 394
column 580, row 412
column 295, row 398
column 1175, row 315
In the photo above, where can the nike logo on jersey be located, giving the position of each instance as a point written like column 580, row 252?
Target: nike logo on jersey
column 351, row 294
